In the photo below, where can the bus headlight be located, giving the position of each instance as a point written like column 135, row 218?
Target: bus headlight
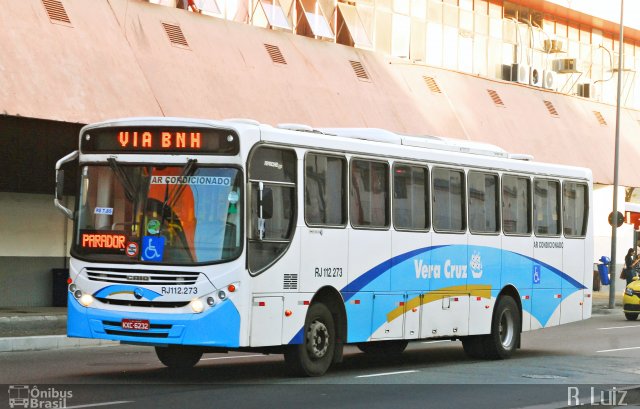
column 628, row 291
column 86, row 299
column 77, row 294
column 211, row 301
column 73, row 288
column 197, row 306
column 222, row 295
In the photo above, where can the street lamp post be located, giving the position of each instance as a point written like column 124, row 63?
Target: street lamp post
column 614, row 225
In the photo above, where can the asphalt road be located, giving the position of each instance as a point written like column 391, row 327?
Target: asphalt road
column 556, row 367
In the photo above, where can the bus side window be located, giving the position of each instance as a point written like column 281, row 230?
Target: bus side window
column 575, row 209
column 325, row 200
column 448, row 200
column 369, row 194
column 516, row 205
column 546, row 210
column 275, row 169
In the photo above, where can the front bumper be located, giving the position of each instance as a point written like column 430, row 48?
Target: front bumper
column 218, row 326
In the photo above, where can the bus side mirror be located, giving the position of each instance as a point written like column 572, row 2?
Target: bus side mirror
column 59, row 190
column 59, row 184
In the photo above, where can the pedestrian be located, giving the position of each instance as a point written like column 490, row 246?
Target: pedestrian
column 630, row 262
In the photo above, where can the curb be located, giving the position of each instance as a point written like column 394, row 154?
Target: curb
column 48, row 342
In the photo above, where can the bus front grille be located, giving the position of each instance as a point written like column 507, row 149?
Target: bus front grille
column 142, row 277
column 135, row 303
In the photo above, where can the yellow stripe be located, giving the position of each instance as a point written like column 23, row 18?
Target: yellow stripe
column 121, row 292
column 478, row 290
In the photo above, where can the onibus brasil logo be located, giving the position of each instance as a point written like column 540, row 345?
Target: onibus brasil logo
column 26, row 396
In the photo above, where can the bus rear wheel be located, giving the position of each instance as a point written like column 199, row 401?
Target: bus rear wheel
column 314, row 356
column 504, row 337
column 178, row 356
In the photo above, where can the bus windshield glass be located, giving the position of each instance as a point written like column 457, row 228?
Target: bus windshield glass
column 179, row 215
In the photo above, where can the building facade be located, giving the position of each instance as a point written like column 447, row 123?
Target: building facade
column 530, row 76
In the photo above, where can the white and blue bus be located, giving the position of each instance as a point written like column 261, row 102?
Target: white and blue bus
column 198, row 236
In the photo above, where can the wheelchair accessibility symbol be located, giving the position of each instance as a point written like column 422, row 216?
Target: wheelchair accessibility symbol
column 152, row 248
column 536, row 274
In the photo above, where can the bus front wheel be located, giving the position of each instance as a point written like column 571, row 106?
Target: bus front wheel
column 314, row 356
column 631, row 316
column 178, row 356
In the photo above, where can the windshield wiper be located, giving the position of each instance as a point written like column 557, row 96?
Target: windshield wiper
column 124, row 180
column 169, row 202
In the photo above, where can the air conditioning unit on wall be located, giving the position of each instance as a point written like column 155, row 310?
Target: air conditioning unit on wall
column 553, row 46
column 565, row 65
column 586, row 90
column 550, row 80
column 535, row 77
column 520, row 73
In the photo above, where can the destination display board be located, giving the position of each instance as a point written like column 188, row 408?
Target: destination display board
column 170, row 140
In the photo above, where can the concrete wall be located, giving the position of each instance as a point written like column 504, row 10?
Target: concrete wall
column 31, row 244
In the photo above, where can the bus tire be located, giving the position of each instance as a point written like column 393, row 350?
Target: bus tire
column 314, row 355
column 178, row 356
column 505, row 330
column 393, row 347
column 631, row 316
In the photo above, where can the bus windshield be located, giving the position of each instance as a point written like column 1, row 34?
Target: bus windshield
column 159, row 214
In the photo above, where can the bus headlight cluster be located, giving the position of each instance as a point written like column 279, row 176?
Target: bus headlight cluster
column 197, row 305
column 628, row 291
column 86, row 299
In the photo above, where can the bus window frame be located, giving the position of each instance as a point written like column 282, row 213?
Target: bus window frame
column 428, row 197
column 345, row 177
column 498, row 203
column 588, row 209
column 533, row 204
column 463, row 191
column 529, row 204
column 388, row 201
column 248, row 198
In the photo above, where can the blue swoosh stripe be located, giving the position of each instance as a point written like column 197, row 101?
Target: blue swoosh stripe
column 107, row 291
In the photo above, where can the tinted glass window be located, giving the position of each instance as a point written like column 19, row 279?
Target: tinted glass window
column 546, row 207
column 410, row 197
column 575, row 208
column 483, row 202
column 369, row 194
column 516, row 204
column 324, row 190
column 272, row 205
column 448, row 200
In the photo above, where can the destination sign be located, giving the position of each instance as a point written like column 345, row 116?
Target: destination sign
column 160, row 140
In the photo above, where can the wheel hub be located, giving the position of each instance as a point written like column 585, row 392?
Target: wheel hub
column 317, row 339
column 506, row 329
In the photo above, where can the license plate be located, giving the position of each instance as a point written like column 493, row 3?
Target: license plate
column 141, row 325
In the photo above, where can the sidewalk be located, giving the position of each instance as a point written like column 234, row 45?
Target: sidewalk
column 38, row 328
column 42, row 328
